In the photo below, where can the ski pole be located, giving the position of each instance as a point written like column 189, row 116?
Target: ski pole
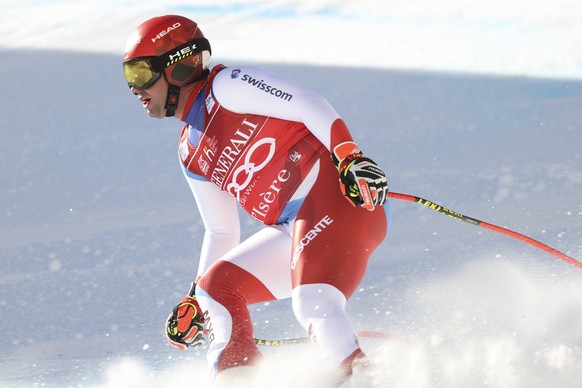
column 473, row 221
column 299, row 340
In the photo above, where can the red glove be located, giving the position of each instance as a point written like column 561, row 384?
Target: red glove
column 362, row 182
column 185, row 325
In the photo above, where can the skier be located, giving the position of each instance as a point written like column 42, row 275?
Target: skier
column 281, row 152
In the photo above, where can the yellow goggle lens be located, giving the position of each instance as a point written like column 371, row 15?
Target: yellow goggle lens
column 139, row 73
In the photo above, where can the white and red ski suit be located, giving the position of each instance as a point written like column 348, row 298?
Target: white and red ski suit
column 263, row 142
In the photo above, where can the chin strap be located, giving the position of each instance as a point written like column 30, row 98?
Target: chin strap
column 172, row 100
column 174, row 94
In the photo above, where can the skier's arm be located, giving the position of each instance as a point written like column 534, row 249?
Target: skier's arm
column 254, row 90
column 219, row 212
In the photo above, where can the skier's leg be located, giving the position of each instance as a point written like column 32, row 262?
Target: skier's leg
column 332, row 242
column 321, row 310
column 255, row 271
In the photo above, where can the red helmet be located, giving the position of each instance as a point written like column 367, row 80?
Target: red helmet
column 171, row 45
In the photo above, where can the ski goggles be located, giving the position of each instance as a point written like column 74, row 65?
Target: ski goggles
column 143, row 72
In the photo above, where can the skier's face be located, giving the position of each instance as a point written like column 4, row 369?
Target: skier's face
column 153, row 98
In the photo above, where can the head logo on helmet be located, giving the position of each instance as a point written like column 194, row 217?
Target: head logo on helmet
column 164, row 32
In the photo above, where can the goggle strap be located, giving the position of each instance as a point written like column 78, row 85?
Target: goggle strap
column 169, row 58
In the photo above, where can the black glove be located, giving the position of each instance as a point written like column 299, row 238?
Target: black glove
column 185, row 325
column 362, row 182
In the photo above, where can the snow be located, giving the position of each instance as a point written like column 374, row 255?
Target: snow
column 472, row 105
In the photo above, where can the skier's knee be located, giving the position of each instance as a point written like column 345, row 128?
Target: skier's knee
column 316, row 301
column 221, row 281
